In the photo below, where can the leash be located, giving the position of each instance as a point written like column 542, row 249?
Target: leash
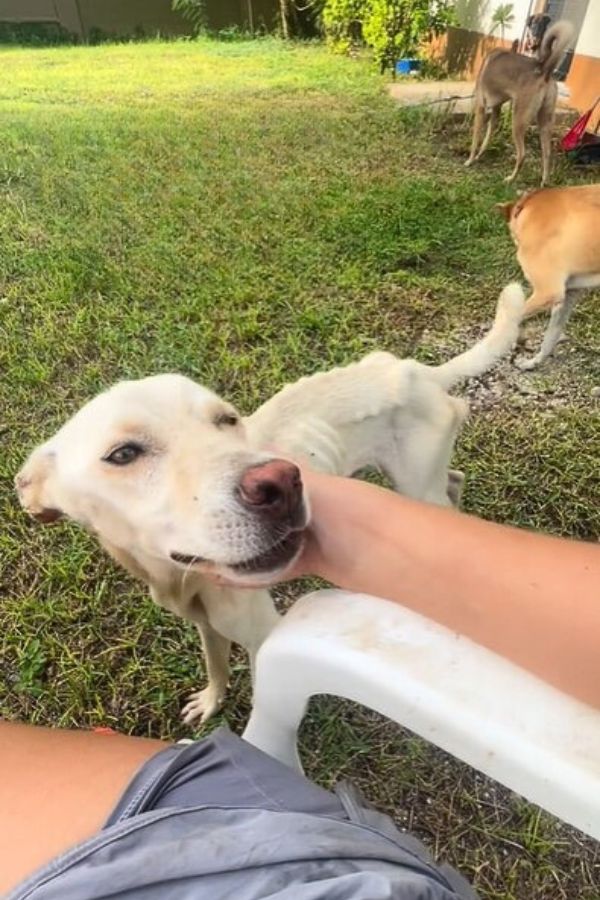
column 439, row 100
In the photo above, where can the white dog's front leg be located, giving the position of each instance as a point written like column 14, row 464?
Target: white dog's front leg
column 205, row 703
column 246, row 616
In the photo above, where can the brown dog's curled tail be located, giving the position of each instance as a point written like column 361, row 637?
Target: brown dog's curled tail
column 555, row 42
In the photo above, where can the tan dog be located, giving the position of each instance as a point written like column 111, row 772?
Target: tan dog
column 527, row 82
column 557, row 233
column 176, row 484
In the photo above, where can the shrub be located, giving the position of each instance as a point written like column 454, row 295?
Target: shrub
column 342, row 23
column 35, row 33
column 392, row 28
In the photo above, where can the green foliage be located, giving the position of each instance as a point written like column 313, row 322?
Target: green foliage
column 397, row 28
column 233, row 33
column 341, row 20
column 193, row 11
column 392, row 28
column 45, row 34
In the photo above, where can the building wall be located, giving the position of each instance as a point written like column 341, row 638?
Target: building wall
column 584, row 84
column 589, row 37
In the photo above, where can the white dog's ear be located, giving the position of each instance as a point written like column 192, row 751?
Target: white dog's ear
column 33, row 485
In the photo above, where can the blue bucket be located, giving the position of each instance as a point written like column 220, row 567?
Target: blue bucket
column 406, row 66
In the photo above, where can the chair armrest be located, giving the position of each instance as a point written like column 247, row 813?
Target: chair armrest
column 476, row 705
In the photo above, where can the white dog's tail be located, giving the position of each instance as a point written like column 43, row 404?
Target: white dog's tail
column 499, row 340
column 555, row 42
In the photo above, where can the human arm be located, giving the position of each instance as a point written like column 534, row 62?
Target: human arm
column 534, row 599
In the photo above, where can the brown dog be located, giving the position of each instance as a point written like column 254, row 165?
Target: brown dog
column 557, row 233
column 527, row 82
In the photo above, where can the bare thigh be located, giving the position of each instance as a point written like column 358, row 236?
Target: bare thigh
column 58, row 788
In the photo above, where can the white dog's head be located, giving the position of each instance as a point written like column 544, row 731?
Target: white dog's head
column 160, row 469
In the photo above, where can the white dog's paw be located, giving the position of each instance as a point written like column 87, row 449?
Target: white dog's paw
column 525, row 365
column 509, row 179
column 202, row 705
column 468, row 162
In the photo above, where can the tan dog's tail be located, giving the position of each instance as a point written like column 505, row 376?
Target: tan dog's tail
column 555, row 42
column 499, row 340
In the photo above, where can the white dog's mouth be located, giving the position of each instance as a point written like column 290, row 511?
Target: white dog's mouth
column 277, row 556
column 187, row 560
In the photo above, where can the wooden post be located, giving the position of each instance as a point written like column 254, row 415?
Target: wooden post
column 285, row 24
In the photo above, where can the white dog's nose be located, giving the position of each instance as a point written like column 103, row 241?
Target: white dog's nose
column 272, row 489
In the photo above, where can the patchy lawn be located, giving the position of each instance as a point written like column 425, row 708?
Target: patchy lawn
column 245, row 214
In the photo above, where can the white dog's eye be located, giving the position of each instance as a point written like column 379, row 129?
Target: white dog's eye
column 123, row 455
column 226, row 419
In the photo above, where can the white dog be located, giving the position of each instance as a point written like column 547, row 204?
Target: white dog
column 173, row 481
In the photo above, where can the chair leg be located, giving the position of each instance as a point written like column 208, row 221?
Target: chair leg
column 273, row 728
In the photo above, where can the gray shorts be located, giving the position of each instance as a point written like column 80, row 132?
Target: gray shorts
column 220, row 770
column 218, row 819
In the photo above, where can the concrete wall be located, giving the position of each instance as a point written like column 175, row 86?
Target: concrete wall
column 258, row 13
column 589, row 37
column 27, row 11
column 125, row 17
column 476, row 15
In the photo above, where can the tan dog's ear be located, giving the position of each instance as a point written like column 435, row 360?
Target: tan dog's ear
column 33, row 486
column 506, row 209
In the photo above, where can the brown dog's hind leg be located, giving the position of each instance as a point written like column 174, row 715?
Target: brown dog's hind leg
column 548, row 293
column 477, row 129
column 545, row 120
column 491, row 127
column 558, row 319
column 519, row 124
column 545, row 295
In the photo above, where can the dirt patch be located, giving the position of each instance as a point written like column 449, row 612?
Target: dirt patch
column 564, row 380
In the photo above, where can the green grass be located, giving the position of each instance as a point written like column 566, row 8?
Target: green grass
column 246, row 214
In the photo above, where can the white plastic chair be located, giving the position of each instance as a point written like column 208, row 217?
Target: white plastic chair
column 473, row 703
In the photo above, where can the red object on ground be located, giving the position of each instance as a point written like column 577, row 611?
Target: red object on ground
column 104, row 729
column 578, row 134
